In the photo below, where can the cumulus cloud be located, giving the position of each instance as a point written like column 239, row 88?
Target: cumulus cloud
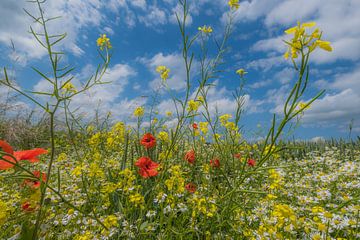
column 339, row 21
column 75, row 15
column 174, row 61
column 102, row 97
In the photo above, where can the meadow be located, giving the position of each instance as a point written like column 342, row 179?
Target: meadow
column 65, row 177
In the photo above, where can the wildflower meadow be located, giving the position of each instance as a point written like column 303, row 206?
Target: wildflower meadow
column 199, row 178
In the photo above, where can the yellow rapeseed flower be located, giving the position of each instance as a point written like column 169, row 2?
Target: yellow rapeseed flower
column 193, row 105
column 234, row 4
column 103, row 42
column 139, row 112
column 241, row 72
column 205, row 29
column 164, row 72
column 302, row 40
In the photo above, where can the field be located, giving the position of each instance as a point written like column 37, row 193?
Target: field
column 66, row 177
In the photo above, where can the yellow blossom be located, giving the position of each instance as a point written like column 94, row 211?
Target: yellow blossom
column 164, row 72
column 111, row 221
column 163, row 136
column 193, row 105
column 103, row 42
column 241, row 72
column 69, row 87
column 234, row 4
column 139, row 112
column 205, row 29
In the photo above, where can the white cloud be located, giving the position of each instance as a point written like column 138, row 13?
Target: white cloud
column 154, row 17
column 177, row 76
column 337, row 108
column 76, row 14
column 103, row 97
column 339, row 21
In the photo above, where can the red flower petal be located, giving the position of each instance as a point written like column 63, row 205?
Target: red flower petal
column 148, row 168
column 5, row 147
column 190, row 156
column 6, row 165
column 148, row 140
column 30, row 155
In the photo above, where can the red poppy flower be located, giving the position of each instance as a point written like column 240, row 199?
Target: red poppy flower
column 28, row 155
column 251, row 162
column 215, row 163
column 237, row 155
column 148, row 140
column 190, row 187
column 36, row 183
column 190, row 156
column 26, row 206
column 148, row 168
column 195, row 126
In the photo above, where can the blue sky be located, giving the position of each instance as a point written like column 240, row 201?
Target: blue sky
column 144, row 34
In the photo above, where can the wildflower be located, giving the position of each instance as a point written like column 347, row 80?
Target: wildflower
column 139, row 112
column 36, row 183
column 241, row 72
column 203, row 127
column 168, row 113
column 137, row 199
column 103, row 41
column 164, row 72
column 224, row 118
column 69, row 87
column 148, row 168
column 234, row 4
column 324, row 45
column 215, row 163
column 303, row 106
column 148, row 141
column 193, row 106
column 195, row 126
column 28, row 155
column 190, row 187
column 302, row 40
column 190, row 156
column 251, row 162
column 3, row 212
column 111, row 221
column 237, row 155
column 201, row 99
column 163, row 136
column 205, row 29
column 26, row 207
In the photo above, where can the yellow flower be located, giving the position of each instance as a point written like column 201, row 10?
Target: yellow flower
column 193, row 106
column 224, row 119
column 203, row 127
column 111, row 221
column 3, row 212
column 234, row 4
column 241, row 72
column 324, row 45
column 69, row 87
column 302, row 106
column 103, row 41
column 205, row 29
column 163, row 136
column 139, row 112
column 164, row 72
column 303, row 40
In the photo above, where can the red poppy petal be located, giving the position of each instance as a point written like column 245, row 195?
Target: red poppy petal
column 6, row 165
column 29, row 154
column 6, row 147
